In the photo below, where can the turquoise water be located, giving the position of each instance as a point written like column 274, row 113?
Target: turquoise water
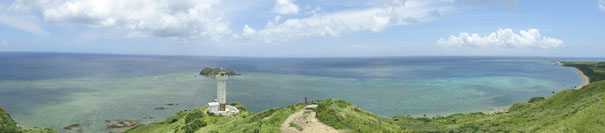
column 56, row 90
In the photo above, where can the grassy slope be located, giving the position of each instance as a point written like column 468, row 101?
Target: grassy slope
column 570, row 110
column 8, row 126
column 566, row 111
column 341, row 114
column 245, row 121
column 345, row 117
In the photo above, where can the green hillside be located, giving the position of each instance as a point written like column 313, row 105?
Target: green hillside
column 593, row 70
column 196, row 120
column 567, row 111
column 7, row 125
column 341, row 114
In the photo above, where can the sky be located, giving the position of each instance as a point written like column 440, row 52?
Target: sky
column 306, row 28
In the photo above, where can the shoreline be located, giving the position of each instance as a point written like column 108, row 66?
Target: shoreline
column 585, row 78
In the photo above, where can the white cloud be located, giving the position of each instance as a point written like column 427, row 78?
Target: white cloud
column 374, row 18
column 22, row 21
column 503, row 38
column 285, row 7
column 182, row 19
column 602, row 5
column 4, row 42
column 247, row 31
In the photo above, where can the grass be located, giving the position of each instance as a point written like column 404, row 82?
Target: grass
column 566, row 111
column 268, row 121
column 298, row 127
column 570, row 110
column 341, row 114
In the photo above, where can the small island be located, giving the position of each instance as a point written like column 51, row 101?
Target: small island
column 211, row 72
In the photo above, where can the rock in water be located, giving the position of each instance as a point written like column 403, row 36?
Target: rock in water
column 129, row 123
column 71, row 126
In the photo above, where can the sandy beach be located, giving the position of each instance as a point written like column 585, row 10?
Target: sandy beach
column 585, row 78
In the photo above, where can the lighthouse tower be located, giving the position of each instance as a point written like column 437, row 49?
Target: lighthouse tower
column 221, row 89
column 219, row 106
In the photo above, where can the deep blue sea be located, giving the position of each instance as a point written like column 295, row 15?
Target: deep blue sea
column 59, row 89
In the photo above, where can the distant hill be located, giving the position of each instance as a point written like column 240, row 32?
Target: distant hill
column 594, row 70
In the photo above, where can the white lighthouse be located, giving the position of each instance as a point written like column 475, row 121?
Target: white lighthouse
column 221, row 89
column 219, row 106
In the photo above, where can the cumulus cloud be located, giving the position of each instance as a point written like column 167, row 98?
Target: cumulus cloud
column 503, row 38
column 285, row 7
column 181, row 19
column 374, row 19
column 602, row 5
column 247, row 31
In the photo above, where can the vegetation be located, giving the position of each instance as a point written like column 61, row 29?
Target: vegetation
column 298, row 127
column 341, row 114
column 238, row 106
column 196, row 120
column 7, row 125
column 207, row 71
column 595, row 71
column 536, row 99
column 567, row 111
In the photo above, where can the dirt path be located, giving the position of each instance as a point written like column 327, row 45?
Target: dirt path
column 306, row 119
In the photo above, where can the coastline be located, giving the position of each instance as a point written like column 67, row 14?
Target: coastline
column 585, row 78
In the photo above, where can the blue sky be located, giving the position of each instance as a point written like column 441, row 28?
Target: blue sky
column 306, row 28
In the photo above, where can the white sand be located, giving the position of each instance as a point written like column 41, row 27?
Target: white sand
column 585, row 78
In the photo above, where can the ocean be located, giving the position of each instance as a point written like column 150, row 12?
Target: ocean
column 59, row 89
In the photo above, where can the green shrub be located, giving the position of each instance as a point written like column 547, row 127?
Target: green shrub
column 238, row 106
column 536, row 99
column 8, row 129
column 194, row 121
column 195, row 114
column 194, row 126
column 298, row 127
